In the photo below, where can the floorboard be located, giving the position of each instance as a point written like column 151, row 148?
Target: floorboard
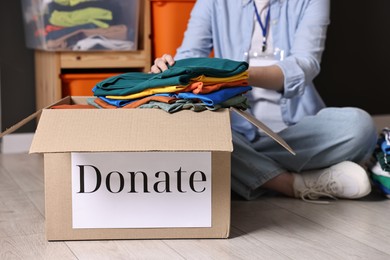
column 272, row 227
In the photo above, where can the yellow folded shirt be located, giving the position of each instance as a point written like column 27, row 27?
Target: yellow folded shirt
column 149, row 91
column 205, row 79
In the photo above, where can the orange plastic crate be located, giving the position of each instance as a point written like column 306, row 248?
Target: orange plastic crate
column 81, row 84
column 169, row 22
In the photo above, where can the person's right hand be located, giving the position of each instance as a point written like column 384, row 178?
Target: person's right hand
column 161, row 64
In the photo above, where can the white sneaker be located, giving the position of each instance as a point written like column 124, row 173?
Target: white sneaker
column 345, row 180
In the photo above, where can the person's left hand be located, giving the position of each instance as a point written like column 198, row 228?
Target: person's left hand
column 161, row 64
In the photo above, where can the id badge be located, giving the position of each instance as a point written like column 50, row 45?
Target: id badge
column 259, row 58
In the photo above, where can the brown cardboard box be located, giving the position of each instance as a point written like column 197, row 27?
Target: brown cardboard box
column 63, row 132
column 79, row 144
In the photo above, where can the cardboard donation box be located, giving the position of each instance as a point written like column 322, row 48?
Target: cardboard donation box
column 134, row 173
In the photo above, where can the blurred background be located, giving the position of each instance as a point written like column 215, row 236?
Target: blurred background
column 354, row 67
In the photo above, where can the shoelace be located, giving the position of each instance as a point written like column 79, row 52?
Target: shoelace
column 320, row 188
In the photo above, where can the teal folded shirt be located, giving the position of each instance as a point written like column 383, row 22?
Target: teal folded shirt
column 179, row 74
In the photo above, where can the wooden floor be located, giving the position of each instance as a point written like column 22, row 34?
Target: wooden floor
column 268, row 228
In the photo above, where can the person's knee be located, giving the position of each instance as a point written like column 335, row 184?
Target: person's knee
column 361, row 130
column 361, row 124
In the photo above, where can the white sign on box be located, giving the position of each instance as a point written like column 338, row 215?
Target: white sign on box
column 141, row 189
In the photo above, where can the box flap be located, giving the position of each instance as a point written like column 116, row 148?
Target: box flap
column 260, row 125
column 96, row 130
column 20, row 123
column 36, row 114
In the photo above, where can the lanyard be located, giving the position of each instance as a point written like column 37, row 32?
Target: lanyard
column 264, row 28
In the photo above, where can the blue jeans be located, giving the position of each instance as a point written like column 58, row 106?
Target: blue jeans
column 332, row 136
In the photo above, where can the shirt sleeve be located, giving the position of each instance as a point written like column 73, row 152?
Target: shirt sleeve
column 302, row 63
column 197, row 41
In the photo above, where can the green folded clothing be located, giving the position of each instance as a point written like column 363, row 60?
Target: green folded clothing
column 180, row 73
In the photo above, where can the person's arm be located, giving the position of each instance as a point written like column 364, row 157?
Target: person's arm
column 269, row 77
column 302, row 63
column 197, row 37
column 306, row 37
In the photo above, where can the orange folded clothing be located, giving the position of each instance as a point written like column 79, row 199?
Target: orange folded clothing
column 103, row 103
column 199, row 87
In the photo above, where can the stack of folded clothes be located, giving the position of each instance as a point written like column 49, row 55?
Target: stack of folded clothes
column 380, row 171
column 197, row 84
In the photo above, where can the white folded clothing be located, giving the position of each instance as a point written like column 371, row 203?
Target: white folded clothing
column 100, row 42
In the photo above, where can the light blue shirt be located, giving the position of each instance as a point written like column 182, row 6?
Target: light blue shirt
column 298, row 28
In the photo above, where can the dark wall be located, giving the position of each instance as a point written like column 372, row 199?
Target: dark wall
column 355, row 66
column 354, row 69
column 17, row 68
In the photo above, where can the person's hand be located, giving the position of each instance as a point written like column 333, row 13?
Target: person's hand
column 161, row 64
